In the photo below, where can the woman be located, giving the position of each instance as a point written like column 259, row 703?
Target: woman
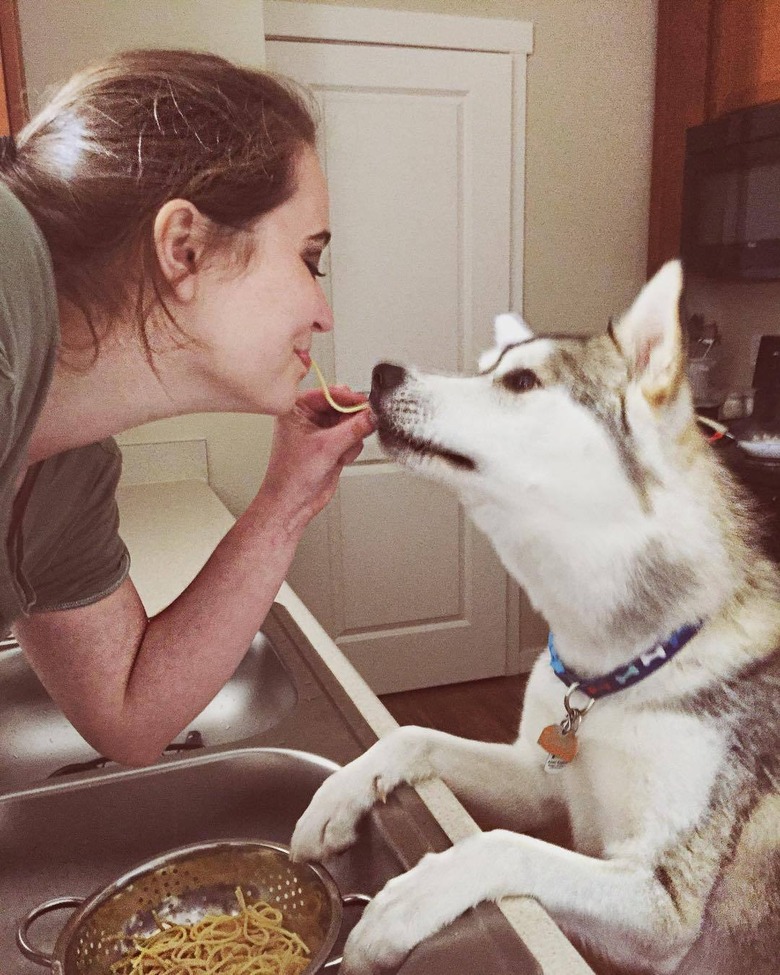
column 161, row 226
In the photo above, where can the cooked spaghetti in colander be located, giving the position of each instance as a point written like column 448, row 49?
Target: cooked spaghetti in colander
column 252, row 942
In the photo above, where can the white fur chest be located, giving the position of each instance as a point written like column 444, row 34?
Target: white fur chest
column 640, row 777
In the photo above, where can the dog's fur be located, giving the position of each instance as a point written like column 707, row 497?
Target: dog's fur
column 581, row 460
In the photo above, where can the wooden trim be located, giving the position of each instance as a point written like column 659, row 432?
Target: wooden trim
column 285, row 20
column 14, row 111
column 5, row 118
column 681, row 98
column 745, row 55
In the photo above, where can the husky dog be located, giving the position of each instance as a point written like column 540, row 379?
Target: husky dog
column 582, row 462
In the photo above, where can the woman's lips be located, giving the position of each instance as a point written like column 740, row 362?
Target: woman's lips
column 305, row 358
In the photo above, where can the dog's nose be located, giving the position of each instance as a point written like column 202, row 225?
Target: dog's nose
column 386, row 376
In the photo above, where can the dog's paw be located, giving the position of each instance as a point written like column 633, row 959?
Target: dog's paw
column 407, row 910
column 329, row 824
column 386, row 932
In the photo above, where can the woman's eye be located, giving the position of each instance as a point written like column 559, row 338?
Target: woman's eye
column 520, row 380
column 313, row 264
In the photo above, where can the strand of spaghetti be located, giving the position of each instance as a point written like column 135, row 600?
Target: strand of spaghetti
column 329, row 398
column 252, row 943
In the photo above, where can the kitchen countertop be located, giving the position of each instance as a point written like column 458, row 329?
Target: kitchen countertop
column 171, row 528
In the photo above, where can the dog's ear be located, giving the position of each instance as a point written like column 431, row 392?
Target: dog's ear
column 509, row 329
column 650, row 337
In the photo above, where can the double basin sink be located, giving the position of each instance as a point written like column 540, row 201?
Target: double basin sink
column 70, row 822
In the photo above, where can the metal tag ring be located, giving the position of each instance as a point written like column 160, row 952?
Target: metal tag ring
column 576, row 713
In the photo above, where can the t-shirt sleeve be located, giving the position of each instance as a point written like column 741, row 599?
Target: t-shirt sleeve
column 74, row 555
column 28, row 353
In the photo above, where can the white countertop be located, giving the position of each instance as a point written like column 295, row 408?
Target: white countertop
column 171, row 528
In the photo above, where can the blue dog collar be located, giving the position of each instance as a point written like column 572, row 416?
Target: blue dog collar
column 639, row 668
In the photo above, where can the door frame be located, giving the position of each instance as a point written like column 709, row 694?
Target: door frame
column 287, row 20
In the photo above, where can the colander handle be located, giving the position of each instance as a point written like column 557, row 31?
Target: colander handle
column 346, row 900
column 23, row 928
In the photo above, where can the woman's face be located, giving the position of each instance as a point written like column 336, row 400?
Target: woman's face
column 256, row 325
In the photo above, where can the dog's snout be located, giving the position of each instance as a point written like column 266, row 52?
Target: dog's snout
column 386, row 376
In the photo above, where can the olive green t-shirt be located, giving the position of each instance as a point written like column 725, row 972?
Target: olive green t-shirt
column 61, row 528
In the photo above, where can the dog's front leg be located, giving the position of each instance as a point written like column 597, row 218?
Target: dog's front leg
column 505, row 779
column 617, row 906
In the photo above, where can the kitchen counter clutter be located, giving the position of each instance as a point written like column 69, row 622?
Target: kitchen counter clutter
column 75, row 833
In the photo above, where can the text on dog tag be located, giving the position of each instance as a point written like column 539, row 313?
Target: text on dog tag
column 561, row 745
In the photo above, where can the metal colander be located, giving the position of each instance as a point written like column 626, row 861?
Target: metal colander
column 184, row 886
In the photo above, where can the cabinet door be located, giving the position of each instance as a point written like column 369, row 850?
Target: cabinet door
column 745, row 55
column 681, row 79
column 416, row 148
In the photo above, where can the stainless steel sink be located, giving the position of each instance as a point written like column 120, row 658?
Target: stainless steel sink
column 73, row 837
column 37, row 741
column 72, row 834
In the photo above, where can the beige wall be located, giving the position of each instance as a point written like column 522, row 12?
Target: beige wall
column 743, row 312
column 60, row 36
column 590, row 103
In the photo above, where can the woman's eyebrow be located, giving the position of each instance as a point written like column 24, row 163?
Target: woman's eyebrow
column 323, row 237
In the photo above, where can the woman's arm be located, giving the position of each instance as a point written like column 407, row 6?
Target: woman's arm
column 129, row 685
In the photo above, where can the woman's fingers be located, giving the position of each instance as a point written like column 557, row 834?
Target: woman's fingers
column 312, row 444
column 351, row 455
column 315, row 404
column 351, row 430
column 349, row 425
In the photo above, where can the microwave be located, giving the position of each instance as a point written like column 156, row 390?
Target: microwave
column 731, row 196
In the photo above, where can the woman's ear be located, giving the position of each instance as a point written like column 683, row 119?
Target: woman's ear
column 179, row 233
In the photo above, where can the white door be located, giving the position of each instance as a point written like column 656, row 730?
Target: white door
column 416, row 145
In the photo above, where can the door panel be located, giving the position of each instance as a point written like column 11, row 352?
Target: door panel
column 416, row 147
column 399, row 235
column 372, row 507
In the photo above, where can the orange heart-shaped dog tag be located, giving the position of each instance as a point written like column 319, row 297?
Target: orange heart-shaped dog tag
column 563, row 745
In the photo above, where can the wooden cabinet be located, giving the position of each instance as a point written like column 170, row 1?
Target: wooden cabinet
column 744, row 55
column 713, row 56
column 13, row 101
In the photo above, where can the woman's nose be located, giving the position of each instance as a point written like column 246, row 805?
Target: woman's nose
column 323, row 321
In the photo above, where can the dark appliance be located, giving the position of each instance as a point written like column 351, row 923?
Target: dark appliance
column 755, row 456
column 731, row 196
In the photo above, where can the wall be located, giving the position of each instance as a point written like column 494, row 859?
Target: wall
column 60, row 36
column 590, row 104
column 743, row 311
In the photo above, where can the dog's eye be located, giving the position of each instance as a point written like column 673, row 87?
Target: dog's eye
column 520, row 380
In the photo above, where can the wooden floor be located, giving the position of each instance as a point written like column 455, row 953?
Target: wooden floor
column 487, row 710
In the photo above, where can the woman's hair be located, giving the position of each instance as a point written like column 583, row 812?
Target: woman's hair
column 124, row 136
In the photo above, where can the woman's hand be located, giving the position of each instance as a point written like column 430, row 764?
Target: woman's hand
column 311, row 445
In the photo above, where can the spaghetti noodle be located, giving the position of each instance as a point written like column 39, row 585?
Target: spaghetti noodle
column 253, row 942
column 329, row 398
